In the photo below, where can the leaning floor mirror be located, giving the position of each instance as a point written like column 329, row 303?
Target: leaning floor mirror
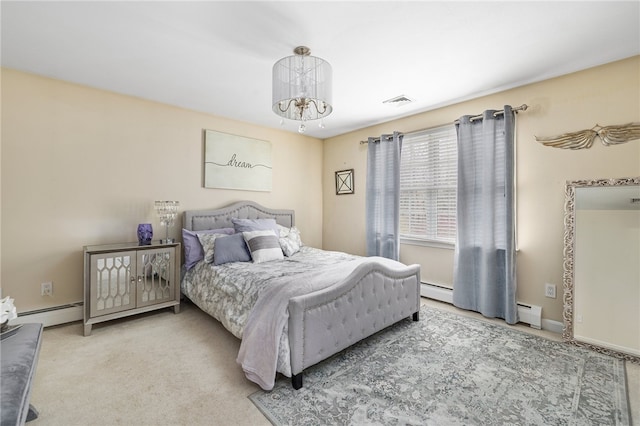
column 602, row 266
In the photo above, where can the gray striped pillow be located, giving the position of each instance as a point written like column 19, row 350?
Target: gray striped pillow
column 263, row 245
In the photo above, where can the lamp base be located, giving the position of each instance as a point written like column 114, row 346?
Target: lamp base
column 168, row 241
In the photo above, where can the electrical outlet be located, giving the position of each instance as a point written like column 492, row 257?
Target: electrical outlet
column 550, row 290
column 46, row 289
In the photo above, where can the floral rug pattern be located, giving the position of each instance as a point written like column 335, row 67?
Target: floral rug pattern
column 448, row 369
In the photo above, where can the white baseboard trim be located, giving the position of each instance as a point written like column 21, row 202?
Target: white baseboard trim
column 552, row 326
column 528, row 314
column 55, row 315
column 73, row 312
column 607, row 345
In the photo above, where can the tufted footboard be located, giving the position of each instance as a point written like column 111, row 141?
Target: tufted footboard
column 373, row 297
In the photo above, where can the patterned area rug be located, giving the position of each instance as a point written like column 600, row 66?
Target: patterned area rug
column 448, row 369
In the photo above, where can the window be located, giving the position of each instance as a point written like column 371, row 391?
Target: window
column 428, row 178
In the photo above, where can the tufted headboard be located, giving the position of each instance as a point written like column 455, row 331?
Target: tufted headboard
column 200, row 220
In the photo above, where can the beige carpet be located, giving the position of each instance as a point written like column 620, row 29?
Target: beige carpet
column 160, row 369
column 154, row 369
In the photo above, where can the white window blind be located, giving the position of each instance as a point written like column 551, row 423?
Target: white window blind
column 428, row 178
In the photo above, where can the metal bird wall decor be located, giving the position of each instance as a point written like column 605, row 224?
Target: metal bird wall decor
column 609, row 135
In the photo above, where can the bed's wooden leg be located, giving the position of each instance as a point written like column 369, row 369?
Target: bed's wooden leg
column 296, row 381
column 416, row 316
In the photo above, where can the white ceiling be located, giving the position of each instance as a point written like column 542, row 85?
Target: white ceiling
column 216, row 57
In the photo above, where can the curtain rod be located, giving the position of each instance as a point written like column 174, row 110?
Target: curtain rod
column 522, row 107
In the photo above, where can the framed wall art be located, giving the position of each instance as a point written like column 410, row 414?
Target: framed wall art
column 236, row 162
column 344, row 182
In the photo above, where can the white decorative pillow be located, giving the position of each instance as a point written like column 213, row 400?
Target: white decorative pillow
column 263, row 245
column 283, row 231
column 294, row 235
column 208, row 241
column 290, row 241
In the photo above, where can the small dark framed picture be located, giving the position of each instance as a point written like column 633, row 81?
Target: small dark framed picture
column 344, row 182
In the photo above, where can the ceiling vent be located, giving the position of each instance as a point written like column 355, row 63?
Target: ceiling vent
column 398, row 101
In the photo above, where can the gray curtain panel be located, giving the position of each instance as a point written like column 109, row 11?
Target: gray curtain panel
column 383, row 196
column 484, row 277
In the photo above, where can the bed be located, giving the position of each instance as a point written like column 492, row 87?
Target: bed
column 295, row 311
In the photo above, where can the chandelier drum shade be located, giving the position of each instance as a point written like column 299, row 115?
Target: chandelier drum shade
column 302, row 87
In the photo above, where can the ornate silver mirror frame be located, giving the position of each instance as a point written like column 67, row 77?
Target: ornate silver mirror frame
column 569, row 258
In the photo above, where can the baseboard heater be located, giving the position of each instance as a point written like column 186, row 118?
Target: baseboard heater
column 528, row 314
column 54, row 315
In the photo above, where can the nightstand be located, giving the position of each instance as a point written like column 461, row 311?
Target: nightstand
column 127, row 279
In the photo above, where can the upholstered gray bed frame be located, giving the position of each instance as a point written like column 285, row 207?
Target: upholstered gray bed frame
column 325, row 322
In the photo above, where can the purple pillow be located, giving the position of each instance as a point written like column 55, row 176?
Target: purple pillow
column 193, row 252
column 231, row 248
column 248, row 225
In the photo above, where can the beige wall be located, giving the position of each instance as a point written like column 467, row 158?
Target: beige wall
column 605, row 95
column 83, row 166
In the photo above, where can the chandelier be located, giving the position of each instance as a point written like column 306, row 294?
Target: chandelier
column 302, row 87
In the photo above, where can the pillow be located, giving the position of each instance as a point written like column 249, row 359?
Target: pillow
column 207, row 241
column 290, row 241
column 193, row 252
column 230, row 248
column 283, row 231
column 248, row 225
column 263, row 245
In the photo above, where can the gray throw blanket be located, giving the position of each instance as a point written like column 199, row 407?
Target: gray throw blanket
column 258, row 353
